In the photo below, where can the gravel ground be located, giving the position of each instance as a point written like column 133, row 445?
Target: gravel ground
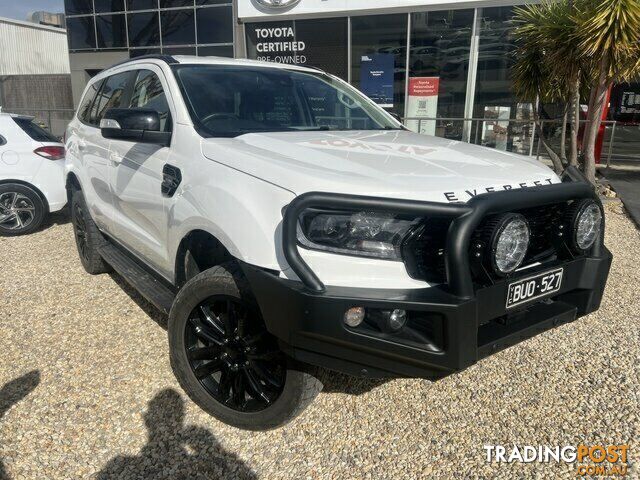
column 86, row 390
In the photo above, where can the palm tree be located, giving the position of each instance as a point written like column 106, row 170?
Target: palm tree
column 609, row 39
column 569, row 48
column 548, row 68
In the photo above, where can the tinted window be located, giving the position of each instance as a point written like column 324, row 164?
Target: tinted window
column 215, row 25
column 77, row 7
column 439, row 59
column 148, row 93
column 2, row 140
column 112, row 94
column 379, row 56
column 228, row 101
column 138, row 52
column 141, row 4
column 175, row 3
column 325, row 43
column 111, row 31
column 144, row 29
column 85, row 106
column 179, row 50
column 178, row 27
column 34, row 131
column 212, row 2
column 81, row 33
column 222, row 51
column 109, row 5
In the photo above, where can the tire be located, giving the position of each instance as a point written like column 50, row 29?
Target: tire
column 22, row 210
column 88, row 237
column 284, row 389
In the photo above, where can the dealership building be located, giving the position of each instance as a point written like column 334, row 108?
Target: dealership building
column 443, row 61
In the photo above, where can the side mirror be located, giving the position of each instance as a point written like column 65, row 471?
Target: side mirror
column 140, row 125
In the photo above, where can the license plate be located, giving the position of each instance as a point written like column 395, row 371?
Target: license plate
column 534, row 287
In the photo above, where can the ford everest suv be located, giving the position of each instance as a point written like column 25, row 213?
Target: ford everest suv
column 285, row 222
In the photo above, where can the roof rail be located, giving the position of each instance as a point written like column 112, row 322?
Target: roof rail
column 168, row 59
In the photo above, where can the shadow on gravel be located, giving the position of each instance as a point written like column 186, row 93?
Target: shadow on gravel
column 334, row 382
column 151, row 311
column 10, row 394
column 57, row 218
column 176, row 451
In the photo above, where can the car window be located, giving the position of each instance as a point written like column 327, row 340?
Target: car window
column 85, row 105
column 112, row 94
column 3, row 141
column 148, row 93
column 36, row 132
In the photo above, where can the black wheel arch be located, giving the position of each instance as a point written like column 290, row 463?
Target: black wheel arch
column 198, row 251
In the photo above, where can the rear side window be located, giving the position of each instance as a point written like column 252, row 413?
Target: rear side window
column 36, row 132
column 85, row 106
column 148, row 93
column 112, row 94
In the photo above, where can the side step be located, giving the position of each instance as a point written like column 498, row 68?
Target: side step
column 138, row 277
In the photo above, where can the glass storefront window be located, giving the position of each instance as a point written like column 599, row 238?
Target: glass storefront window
column 179, row 50
column 104, row 6
column 81, row 33
column 139, row 52
column 178, row 27
column 494, row 99
column 379, row 49
column 78, row 7
column 216, row 51
column 144, row 29
column 215, row 24
column 142, row 4
column 175, row 3
column 438, row 70
column 111, row 31
column 325, row 42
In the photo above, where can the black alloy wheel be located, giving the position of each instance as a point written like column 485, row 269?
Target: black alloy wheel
column 233, row 357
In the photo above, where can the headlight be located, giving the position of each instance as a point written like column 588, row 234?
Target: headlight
column 365, row 234
column 586, row 223
column 509, row 244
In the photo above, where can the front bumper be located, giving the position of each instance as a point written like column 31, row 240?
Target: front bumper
column 450, row 326
column 310, row 324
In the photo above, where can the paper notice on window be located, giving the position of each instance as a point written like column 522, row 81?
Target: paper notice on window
column 423, row 103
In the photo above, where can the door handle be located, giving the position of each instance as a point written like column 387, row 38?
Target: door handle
column 171, row 180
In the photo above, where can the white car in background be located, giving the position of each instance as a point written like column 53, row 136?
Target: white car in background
column 31, row 175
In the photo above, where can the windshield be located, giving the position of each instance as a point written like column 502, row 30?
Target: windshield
column 227, row 101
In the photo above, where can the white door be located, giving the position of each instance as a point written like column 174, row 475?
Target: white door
column 140, row 208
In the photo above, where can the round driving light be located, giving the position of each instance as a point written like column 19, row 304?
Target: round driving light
column 397, row 320
column 510, row 241
column 586, row 225
column 354, row 316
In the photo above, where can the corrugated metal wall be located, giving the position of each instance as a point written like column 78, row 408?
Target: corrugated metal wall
column 32, row 49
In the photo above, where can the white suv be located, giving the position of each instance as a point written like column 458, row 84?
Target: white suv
column 31, row 175
column 286, row 221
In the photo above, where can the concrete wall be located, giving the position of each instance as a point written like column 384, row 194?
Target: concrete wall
column 83, row 64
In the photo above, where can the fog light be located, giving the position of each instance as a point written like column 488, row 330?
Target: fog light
column 397, row 320
column 354, row 316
